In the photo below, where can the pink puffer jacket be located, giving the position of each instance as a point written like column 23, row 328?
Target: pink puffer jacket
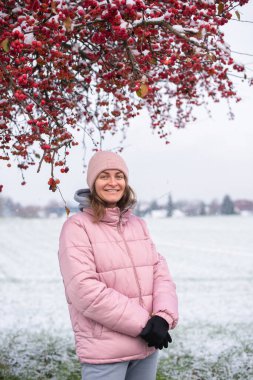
column 114, row 281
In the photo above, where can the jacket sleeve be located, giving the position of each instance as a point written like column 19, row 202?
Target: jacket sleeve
column 165, row 301
column 87, row 293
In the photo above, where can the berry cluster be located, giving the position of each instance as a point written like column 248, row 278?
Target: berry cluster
column 93, row 65
column 53, row 184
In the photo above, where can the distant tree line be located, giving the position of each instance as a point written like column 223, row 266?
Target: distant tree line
column 9, row 208
column 195, row 208
column 168, row 208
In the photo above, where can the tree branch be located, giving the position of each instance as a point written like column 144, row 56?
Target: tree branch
column 164, row 23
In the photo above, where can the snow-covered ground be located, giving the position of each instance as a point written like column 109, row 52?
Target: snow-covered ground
column 211, row 260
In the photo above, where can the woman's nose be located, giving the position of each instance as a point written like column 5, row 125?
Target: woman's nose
column 112, row 181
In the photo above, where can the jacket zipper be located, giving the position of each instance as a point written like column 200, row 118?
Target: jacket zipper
column 134, row 269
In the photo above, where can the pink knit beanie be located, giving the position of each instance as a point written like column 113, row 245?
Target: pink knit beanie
column 103, row 160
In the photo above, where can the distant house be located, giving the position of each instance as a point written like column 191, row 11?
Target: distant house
column 157, row 214
column 243, row 205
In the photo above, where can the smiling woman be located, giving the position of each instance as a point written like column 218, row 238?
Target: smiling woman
column 107, row 177
column 110, row 186
column 122, row 299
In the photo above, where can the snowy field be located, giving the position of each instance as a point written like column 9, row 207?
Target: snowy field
column 211, row 260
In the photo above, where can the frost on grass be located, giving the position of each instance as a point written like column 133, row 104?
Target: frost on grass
column 225, row 354
column 38, row 356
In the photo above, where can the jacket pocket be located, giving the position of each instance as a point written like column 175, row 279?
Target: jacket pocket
column 85, row 325
column 89, row 327
column 97, row 330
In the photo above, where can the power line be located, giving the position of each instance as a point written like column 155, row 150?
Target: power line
column 237, row 52
column 235, row 19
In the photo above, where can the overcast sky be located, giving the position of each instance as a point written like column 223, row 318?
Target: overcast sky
column 206, row 160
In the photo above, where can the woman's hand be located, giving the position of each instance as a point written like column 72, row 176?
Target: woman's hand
column 155, row 333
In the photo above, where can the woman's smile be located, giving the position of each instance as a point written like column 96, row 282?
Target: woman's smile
column 110, row 186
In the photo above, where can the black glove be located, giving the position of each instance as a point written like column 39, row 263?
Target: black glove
column 155, row 333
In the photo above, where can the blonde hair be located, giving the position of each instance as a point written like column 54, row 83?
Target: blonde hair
column 98, row 205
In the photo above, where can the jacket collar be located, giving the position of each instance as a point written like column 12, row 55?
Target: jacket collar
column 113, row 216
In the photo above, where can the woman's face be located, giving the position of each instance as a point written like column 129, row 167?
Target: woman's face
column 110, row 186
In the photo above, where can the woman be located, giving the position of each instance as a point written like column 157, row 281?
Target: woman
column 122, row 300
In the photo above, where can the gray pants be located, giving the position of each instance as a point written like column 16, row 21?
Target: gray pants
column 143, row 369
